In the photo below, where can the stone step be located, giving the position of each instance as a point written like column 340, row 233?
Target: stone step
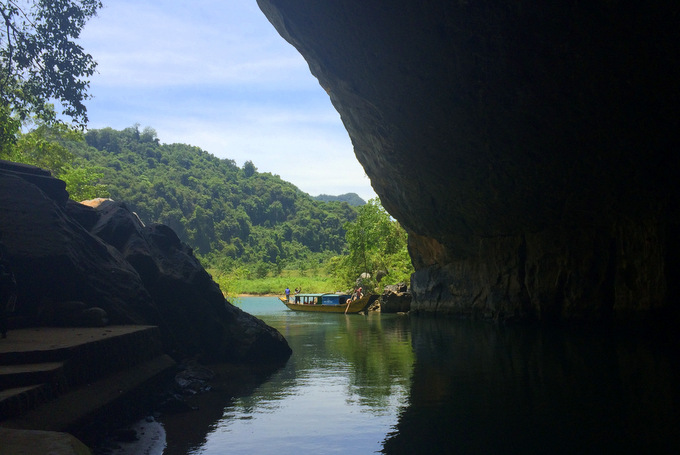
column 53, row 344
column 37, row 365
column 31, row 373
column 17, row 400
column 73, row 410
column 31, row 442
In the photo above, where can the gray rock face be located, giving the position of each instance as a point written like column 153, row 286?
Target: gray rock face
column 395, row 299
column 120, row 271
column 527, row 149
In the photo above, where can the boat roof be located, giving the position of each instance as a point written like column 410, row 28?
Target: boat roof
column 322, row 294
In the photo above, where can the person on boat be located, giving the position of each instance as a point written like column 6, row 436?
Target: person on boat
column 356, row 295
column 297, row 295
column 287, row 294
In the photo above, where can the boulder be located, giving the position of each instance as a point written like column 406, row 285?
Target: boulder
column 89, row 264
column 54, row 259
column 395, row 299
column 55, row 189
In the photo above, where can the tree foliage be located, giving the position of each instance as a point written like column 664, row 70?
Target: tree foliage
column 44, row 147
column 377, row 245
column 40, row 59
column 350, row 198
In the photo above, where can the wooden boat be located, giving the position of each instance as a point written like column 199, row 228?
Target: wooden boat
column 328, row 303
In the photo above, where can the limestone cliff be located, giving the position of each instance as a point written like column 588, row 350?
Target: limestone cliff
column 528, row 149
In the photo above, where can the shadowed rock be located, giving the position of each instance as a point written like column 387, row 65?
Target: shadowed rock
column 395, row 299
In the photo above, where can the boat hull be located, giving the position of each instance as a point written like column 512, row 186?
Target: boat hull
column 356, row 306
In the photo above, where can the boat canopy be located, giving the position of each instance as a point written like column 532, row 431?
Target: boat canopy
column 323, row 299
column 322, row 294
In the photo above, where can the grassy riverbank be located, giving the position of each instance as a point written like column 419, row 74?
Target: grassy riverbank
column 275, row 285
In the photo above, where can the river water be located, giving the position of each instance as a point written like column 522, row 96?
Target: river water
column 396, row 384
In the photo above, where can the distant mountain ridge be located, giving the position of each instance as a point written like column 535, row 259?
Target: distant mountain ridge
column 352, row 199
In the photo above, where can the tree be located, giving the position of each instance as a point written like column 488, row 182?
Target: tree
column 375, row 242
column 82, row 183
column 249, row 168
column 40, row 60
column 261, row 269
column 365, row 237
column 42, row 147
column 9, row 128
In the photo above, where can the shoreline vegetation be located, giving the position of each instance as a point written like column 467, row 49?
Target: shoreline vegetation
column 376, row 254
column 273, row 286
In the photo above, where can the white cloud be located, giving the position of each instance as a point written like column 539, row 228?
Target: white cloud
column 148, row 44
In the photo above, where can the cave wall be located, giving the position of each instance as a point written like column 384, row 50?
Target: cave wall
column 528, row 149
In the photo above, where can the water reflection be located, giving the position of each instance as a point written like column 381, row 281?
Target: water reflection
column 479, row 388
column 377, row 351
column 403, row 385
column 340, row 392
column 186, row 432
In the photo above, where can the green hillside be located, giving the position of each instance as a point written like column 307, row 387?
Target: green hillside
column 351, row 198
column 228, row 214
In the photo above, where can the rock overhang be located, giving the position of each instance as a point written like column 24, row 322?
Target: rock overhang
column 477, row 122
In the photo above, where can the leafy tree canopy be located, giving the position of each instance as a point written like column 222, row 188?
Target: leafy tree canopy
column 249, row 168
column 350, row 198
column 40, row 61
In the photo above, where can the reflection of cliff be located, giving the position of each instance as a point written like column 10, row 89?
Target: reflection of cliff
column 529, row 149
column 347, row 375
column 484, row 389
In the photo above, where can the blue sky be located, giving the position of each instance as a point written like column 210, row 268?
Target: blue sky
column 218, row 76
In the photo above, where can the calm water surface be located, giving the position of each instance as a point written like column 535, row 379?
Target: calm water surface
column 400, row 385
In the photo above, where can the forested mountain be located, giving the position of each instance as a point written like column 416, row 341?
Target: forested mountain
column 224, row 211
column 351, row 198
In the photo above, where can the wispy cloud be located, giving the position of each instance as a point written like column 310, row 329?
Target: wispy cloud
column 158, row 44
